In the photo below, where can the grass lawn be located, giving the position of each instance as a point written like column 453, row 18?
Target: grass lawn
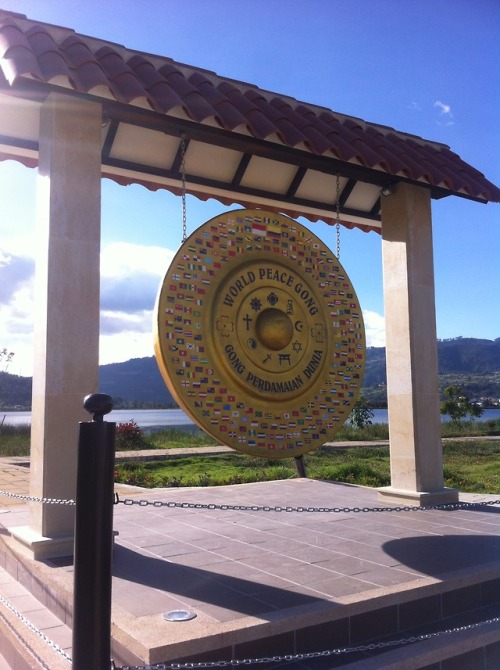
column 473, row 465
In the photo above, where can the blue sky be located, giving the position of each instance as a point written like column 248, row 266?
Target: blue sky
column 429, row 68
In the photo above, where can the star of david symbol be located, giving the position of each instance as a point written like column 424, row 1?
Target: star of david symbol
column 297, row 346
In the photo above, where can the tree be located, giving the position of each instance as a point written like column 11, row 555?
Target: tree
column 458, row 406
column 361, row 415
column 5, row 358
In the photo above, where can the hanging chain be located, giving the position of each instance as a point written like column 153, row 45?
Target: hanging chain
column 287, row 658
column 337, row 217
column 45, row 501
column 289, row 508
column 183, row 187
column 34, row 629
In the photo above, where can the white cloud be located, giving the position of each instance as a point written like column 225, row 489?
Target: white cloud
column 130, row 278
column 125, row 260
column 444, row 111
column 16, row 272
column 374, row 329
column 123, row 346
column 16, row 309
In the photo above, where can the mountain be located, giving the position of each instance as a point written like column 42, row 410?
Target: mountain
column 473, row 364
column 136, row 381
column 455, row 356
column 134, row 384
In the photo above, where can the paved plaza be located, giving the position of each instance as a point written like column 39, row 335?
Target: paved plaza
column 271, row 582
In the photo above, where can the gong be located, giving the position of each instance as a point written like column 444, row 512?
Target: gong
column 259, row 335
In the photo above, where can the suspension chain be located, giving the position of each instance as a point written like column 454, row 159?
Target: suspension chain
column 183, row 187
column 337, row 216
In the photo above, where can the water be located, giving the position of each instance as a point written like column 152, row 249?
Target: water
column 176, row 418
column 145, row 418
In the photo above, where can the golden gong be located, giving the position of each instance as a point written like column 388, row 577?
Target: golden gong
column 259, row 335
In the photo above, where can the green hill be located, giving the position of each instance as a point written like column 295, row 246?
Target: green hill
column 473, row 364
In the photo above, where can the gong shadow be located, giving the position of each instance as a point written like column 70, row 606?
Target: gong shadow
column 435, row 555
column 237, row 594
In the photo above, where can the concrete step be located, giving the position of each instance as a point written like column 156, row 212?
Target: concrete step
column 21, row 615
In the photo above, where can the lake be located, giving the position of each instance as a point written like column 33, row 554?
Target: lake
column 170, row 418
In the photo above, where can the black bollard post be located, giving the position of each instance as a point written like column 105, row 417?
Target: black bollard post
column 94, row 538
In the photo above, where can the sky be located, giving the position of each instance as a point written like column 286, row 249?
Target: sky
column 429, row 68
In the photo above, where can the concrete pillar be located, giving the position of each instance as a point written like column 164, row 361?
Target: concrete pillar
column 411, row 349
column 66, row 349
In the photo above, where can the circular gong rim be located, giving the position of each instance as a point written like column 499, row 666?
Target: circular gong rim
column 259, row 334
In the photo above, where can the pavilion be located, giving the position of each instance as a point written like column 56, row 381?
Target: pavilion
column 79, row 109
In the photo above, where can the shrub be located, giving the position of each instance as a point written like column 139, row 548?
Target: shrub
column 361, row 415
column 458, row 406
column 129, row 436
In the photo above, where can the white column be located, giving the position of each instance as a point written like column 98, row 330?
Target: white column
column 411, row 349
column 66, row 346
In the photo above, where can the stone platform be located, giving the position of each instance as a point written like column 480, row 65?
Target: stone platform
column 282, row 583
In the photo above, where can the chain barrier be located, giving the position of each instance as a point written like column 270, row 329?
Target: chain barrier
column 314, row 654
column 251, row 508
column 45, row 501
column 35, row 630
column 278, row 508
column 259, row 508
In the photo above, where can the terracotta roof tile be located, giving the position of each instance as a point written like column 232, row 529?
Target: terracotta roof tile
column 227, row 115
column 43, row 52
column 50, row 59
column 122, row 79
column 256, row 121
column 161, row 94
column 17, row 54
column 340, row 138
column 379, row 145
column 287, row 132
column 194, row 103
column 313, row 138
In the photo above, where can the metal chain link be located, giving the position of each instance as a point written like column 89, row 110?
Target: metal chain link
column 254, row 508
column 183, row 186
column 45, row 501
column 313, row 654
column 268, row 508
column 35, row 630
column 258, row 508
column 337, row 217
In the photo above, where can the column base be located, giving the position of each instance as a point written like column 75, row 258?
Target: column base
column 418, row 498
column 38, row 547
